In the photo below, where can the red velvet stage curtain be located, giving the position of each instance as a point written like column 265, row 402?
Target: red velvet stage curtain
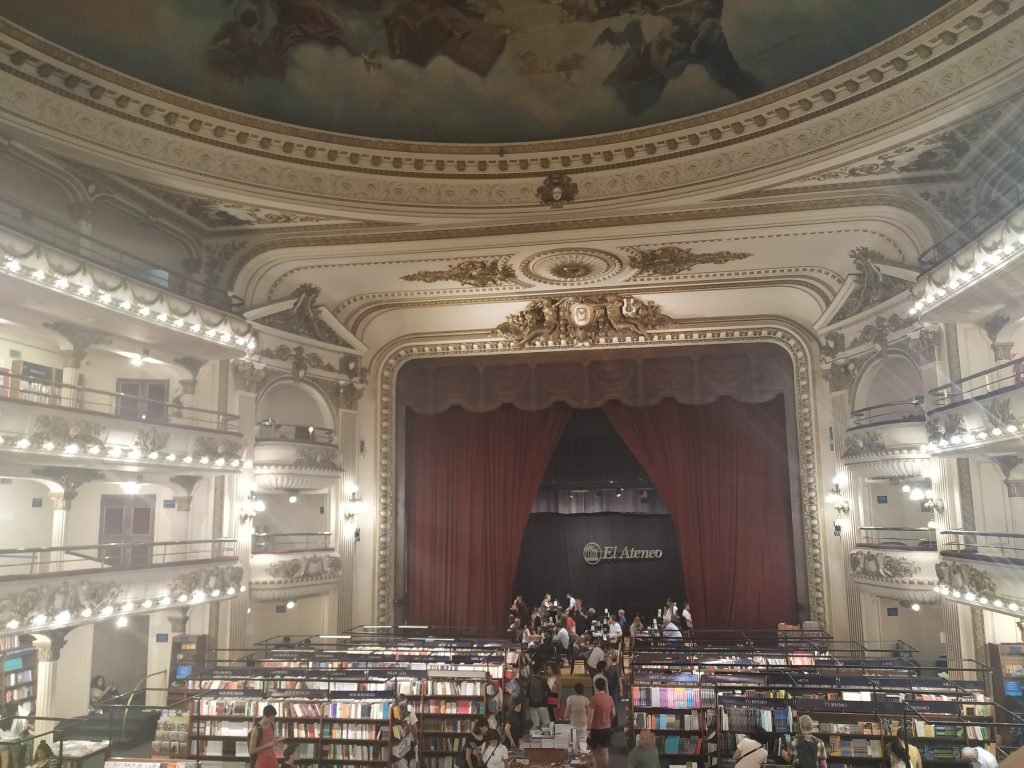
column 471, row 482
column 722, row 470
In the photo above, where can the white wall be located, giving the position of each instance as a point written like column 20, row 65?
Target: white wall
column 121, row 655
column 24, row 525
column 74, row 673
column 920, row 629
column 310, row 616
column 304, row 516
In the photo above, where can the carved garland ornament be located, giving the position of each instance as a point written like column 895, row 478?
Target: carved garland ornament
column 308, row 568
column 873, row 565
column 582, row 320
column 50, row 599
column 478, row 273
column 671, row 260
column 212, row 581
column 965, row 578
column 781, row 334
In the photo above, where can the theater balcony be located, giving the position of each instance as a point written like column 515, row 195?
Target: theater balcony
column 295, row 457
column 977, row 414
column 982, row 569
column 59, row 587
column 98, row 428
column 886, row 440
column 896, row 563
column 289, row 566
column 977, row 270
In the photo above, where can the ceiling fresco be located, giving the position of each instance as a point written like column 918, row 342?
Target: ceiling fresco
column 495, row 71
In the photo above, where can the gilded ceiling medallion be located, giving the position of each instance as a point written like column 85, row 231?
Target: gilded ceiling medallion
column 669, row 260
column 571, row 266
column 478, row 273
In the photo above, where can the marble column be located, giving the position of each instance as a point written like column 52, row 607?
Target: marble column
column 48, row 646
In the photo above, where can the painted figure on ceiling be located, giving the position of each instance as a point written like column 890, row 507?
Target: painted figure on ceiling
column 694, row 35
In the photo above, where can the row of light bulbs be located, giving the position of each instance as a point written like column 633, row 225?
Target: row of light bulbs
column 65, row 617
column 971, row 597
column 963, row 277
column 62, row 283
column 970, row 438
column 135, row 454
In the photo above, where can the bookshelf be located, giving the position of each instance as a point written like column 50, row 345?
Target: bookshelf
column 334, row 719
column 18, row 661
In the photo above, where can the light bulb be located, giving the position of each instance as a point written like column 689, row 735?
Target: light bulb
column 48, row 445
column 970, row 596
column 122, row 622
column 906, row 489
column 129, row 606
column 231, row 591
column 165, row 600
column 997, row 603
column 107, row 610
column 147, row 603
column 105, row 298
column 13, row 624
column 183, row 598
column 215, row 593
column 1013, row 607
column 62, row 618
column 915, row 607
column 86, row 613
column 292, row 499
column 125, row 305
column 290, row 604
column 23, row 443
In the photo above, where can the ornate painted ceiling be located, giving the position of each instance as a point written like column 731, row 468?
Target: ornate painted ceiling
column 470, row 71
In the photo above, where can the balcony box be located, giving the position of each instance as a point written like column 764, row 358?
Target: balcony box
column 274, row 578
column 886, row 441
column 893, row 573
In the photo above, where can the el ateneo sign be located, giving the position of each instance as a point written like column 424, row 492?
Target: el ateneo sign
column 594, row 553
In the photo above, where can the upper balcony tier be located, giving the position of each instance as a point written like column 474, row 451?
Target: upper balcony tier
column 983, row 569
column 885, row 440
column 295, row 457
column 84, row 424
column 977, row 413
column 989, row 257
column 54, row 588
column 896, row 563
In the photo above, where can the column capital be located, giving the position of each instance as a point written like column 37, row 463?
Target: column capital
column 80, row 337
column 178, row 619
column 1003, row 351
column 50, row 643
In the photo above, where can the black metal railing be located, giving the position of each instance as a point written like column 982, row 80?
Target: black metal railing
column 281, row 543
column 899, row 412
column 969, row 231
column 984, row 544
column 121, row 555
column 891, row 537
column 1003, row 377
column 42, row 230
column 270, row 430
column 36, row 391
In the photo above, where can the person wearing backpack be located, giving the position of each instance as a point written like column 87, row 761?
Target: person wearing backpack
column 537, row 698
column 262, row 741
column 751, row 751
column 806, row 750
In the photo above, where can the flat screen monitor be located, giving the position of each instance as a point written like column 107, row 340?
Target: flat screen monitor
column 183, row 671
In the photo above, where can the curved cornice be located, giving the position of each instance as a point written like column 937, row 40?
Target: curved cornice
column 970, row 46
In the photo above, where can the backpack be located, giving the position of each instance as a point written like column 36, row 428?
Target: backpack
column 807, row 753
column 538, row 691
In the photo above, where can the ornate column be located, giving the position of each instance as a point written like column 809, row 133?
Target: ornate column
column 81, row 338
column 60, row 521
column 183, row 503
column 185, row 396
column 178, row 619
column 48, row 645
column 70, row 479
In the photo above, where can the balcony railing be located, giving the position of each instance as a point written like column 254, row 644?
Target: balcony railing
column 900, row 412
column 41, row 392
column 123, row 555
column 269, row 430
column 969, row 231
column 883, row 537
column 983, row 544
column 283, row 543
column 999, row 378
column 60, row 237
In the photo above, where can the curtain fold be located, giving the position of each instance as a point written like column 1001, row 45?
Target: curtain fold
column 722, row 470
column 471, row 482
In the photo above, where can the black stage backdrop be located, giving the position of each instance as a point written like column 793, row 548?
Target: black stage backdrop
column 551, row 560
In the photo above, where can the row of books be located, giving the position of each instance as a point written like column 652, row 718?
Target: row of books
column 17, row 678
column 441, row 688
column 353, row 752
column 683, row 745
column 364, row 731
column 19, row 694
column 442, row 724
column 453, row 707
column 674, row 697
column 840, row 747
column 747, row 719
column 687, row 721
column 856, row 729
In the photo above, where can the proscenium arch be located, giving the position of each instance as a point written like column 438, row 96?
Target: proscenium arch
column 384, row 373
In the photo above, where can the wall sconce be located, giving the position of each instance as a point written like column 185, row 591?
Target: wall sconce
column 835, row 498
column 932, row 504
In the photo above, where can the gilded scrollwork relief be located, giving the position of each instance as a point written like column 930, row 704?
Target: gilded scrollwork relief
column 582, row 320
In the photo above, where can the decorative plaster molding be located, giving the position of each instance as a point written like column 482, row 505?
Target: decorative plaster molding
column 775, row 331
column 47, row 90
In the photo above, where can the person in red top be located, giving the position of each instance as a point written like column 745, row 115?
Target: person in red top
column 600, row 713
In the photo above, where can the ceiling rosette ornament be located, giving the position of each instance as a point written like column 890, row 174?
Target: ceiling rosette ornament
column 571, row 266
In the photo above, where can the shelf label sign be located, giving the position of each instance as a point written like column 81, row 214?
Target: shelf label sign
column 594, row 553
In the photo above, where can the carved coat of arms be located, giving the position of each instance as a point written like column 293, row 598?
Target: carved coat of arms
column 581, row 320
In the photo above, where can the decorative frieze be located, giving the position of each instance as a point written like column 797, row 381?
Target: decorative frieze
column 582, row 320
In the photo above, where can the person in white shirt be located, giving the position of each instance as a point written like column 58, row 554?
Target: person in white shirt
column 751, row 752
column 669, row 629
column 571, row 599
column 562, row 638
column 978, row 757
column 596, row 656
column 575, row 711
column 614, row 631
column 687, row 617
column 493, row 754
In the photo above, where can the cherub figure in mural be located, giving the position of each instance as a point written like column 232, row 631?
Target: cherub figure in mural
column 693, row 36
column 419, row 30
column 243, row 45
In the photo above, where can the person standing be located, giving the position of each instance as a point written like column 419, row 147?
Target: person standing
column 671, row 631
column 600, row 713
column 575, row 712
column 912, row 751
column 611, row 674
column 493, row 754
column 599, row 674
column 572, row 601
column 897, row 754
column 263, row 741
column 595, row 658
column 537, row 698
column 805, row 749
column 687, row 617
column 474, row 742
column 645, row 754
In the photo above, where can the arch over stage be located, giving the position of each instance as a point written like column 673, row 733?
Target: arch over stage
column 709, row 424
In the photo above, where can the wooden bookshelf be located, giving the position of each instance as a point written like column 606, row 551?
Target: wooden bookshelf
column 18, row 672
